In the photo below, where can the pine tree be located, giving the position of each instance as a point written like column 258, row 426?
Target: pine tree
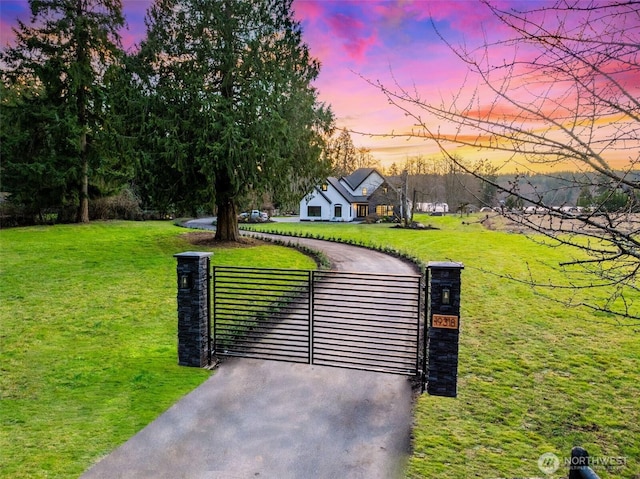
column 55, row 100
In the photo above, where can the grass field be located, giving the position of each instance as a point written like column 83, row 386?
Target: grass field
column 534, row 376
column 88, row 325
column 88, row 350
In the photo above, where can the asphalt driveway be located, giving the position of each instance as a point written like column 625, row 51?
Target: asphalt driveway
column 268, row 419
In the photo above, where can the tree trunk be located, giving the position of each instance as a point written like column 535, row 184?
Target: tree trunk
column 227, row 228
column 83, row 209
column 84, row 61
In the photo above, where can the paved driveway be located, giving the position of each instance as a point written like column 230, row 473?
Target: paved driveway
column 262, row 419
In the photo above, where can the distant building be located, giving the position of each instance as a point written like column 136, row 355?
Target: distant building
column 352, row 197
column 432, row 208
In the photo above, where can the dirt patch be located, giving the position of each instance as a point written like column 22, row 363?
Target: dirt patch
column 201, row 238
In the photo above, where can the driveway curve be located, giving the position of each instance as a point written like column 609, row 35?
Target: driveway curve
column 343, row 257
column 266, row 419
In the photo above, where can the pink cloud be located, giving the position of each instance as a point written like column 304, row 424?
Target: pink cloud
column 470, row 18
column 357, row 48
column 351, row 31
column 394, row 14
column 308, row 10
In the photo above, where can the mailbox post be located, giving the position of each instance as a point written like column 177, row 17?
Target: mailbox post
column 194, row 330
column 444, row 328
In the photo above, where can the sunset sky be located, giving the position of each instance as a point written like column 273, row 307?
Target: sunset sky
column 362, row 41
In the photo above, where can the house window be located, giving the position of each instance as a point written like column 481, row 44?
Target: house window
column 363, row 210
column 337, row 211
column 384, row 210
column 364, row 191
column 324, row 187
column 314, row 211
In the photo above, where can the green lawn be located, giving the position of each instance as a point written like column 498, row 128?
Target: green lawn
column 534, row 376
column 88, row 350
column 88, row 327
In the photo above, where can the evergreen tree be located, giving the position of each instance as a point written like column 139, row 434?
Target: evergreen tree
column 232, row 109
column 343, row 154
column 55, row 101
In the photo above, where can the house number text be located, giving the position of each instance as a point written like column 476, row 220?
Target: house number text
column 444, row 321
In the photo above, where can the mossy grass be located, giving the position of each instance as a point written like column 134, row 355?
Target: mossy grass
column 88, row 352
column 534, row 375
column 88, row 349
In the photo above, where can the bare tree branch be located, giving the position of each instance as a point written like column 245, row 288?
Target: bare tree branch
column 567, row 97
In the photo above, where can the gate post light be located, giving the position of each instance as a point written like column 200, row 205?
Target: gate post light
column 446, row 297
column 184, row 281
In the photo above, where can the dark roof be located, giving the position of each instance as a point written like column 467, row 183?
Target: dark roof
column 341, row 189
column 357, row 177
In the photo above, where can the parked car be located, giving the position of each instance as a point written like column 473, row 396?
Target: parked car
column 253, row 216
column 257, row 215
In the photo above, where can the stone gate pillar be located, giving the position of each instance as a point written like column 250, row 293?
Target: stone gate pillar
column 444, row 328
column 194, row 316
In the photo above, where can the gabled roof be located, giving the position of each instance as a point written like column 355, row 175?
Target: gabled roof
column 333, row 181
column 357, row 177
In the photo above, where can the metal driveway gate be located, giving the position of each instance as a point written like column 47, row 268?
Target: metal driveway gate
column 352, row 320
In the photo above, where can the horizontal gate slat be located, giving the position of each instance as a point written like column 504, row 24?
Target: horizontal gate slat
column 268, row 345
column 362, row 354
column 271, row 357
column 409, row 370
column 338, row 310
column 396, row 342
column 386, row 324
column 385, row 362
column 362, row 331
column 251, row 319
column 356, row 347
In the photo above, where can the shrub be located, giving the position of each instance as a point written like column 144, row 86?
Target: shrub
column 123, row 206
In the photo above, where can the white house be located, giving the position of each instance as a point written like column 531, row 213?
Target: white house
column 349, row 198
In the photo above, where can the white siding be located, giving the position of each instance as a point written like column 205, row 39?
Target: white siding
column 327, row 208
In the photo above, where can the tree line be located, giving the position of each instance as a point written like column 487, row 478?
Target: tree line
column 215, row 104
column 480, row 184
